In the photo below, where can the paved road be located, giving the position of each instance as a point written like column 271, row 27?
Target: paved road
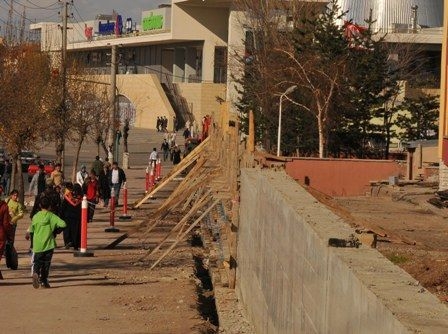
column 105, row 293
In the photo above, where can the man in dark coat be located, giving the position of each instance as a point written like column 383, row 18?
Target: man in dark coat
column 116, row 178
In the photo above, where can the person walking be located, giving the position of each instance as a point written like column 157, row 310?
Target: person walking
column 44, row 225
column 97, row 165
column 92, row 192
column 16, row 211
column 153, row 158
column 104, row 186
column 71, row 214
column 165, row 149
column 37, row 187
column 38, row 182
column 56, row 176
column 176, row 155
column 81, row 175
column 6, row 230
column 116, row 177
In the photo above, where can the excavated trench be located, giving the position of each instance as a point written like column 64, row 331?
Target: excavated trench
column 206, row 297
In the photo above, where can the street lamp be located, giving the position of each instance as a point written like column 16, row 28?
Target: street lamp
column 279, row 132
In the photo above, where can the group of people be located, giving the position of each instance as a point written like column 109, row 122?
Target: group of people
column 162, row 124
column 171, row 150
column 57, row 209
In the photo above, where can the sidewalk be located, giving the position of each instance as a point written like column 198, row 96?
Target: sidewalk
column 110, row 292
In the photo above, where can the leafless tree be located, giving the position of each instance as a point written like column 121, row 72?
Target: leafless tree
column 24, row 80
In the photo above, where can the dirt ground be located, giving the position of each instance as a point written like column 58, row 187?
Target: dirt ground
column 412, row 233
column 111, row 292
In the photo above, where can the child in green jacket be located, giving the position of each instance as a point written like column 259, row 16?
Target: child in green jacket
column 43, row 228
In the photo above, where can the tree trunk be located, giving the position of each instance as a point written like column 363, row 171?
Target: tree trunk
column 16, row 178
column 75, row 162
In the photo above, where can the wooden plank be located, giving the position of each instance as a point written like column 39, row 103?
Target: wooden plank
column 192, row 226
column 204, row 200
column 187, row 161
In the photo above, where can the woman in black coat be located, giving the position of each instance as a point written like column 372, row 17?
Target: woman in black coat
column 71, row 214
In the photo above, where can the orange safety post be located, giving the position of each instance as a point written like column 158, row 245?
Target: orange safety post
column 152, row 178
column 147, row 180
column 125, row 215
column 83, row 250
column 158, row 170
column 112, row 227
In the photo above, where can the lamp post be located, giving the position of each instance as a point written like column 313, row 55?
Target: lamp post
column 279, row 132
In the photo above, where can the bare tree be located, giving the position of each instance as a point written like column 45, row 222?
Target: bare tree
column 25, row 75
column 88, row 106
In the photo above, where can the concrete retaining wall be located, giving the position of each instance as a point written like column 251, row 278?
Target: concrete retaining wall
column 290, row 281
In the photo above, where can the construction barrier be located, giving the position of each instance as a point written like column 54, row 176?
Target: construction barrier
column 112, row 227
column 152, row 179
column 158, row 170
column 84, row 220
column 125, row 215
column 147, row 180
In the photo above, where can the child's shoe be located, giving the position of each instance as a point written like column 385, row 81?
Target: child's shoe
column 45, row 285
column 36, row 283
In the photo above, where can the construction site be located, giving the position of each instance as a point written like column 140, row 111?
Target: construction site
column 234, row 239
column 228, row 242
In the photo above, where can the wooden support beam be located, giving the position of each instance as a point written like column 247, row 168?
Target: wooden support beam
column 203, row 201
column 186, row 162
column 181, row 237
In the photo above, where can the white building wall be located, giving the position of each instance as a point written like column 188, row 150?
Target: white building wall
column 202, row 23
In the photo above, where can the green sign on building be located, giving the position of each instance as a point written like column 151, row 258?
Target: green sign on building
column 152, row 22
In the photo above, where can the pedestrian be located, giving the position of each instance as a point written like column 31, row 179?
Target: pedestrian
column 186, row 133
column 104, row 186
column 176, row 155
column 158, row 124
column 56, row 176
column 6, row 231
column 81, row 175
column 173, row 137
column 92, row 192
column 106, row 164
column 71, row 214
column 153, row 157
column 165, row 124
column 165, row 149
column 16, row 210
column 44, row 226
column 37, row 186
column 97, row 165
column 116, row 177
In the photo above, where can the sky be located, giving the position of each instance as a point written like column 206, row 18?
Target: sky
column 83, row 10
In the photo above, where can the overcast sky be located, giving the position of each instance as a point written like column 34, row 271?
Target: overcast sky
column 83, row 10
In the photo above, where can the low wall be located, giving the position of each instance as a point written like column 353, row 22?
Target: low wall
column 290, row 281
column 342, row 177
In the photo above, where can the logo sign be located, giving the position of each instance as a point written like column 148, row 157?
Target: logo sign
column 111, row 27
column 152, row 22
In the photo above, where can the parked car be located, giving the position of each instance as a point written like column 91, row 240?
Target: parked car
column 27, row 158
column 32, row 168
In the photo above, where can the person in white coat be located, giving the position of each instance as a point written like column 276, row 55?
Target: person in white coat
column 81, row 175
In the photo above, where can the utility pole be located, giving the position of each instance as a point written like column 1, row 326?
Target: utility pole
column 443, row 117
column 60, row 140
column 9, row 24
column 22, row 27
column 113, row 104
